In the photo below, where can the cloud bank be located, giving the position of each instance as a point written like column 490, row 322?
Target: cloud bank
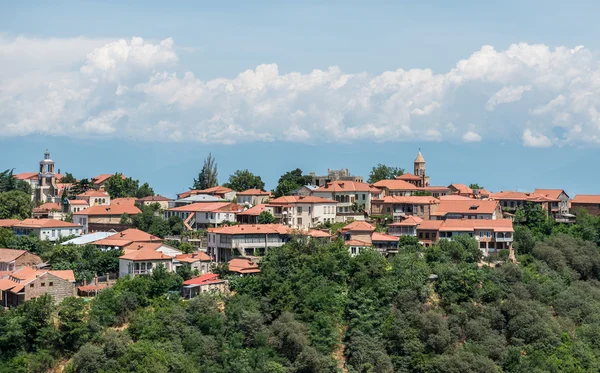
column 90, row 88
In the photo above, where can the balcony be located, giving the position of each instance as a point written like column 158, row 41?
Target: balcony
column 503, row 238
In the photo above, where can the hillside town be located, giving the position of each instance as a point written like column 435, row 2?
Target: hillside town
column 238, row 222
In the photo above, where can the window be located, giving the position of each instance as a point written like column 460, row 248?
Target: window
column 309, row 210
column 51, row 284
column 354, row 251
column 31, row 285
column 299, row 209
column 53, row 233
column 299, row 221
column 427, row 235
column 481, row 233
column 363, row 197
column 356, row 197
column 206, row 215
column 420, row 234
column 388, row 209
column 43, row 284
column 482, row 245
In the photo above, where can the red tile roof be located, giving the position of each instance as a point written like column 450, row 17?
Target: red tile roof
column 315, row 233
column 299, row 199
column 126, row 237
column 470, row 206
column 467, row 225
column 45, row 223
column 409, row 221
column 8, row 223
column 550, row 193
column 253, row 192
column 146, row 253
column 358, row 226
column 408, row 177
column 207, row 207
column 379, row 237
column 461, row 188
column 455, row 197
column 243, row 265
column 521, row 196
column 93, row 193
column 78, row 202
column 414, row 200
column 50, row 206
column 253, row 211
column 8, row 255
column 197, row 256
column 205, row 279
column 109, row 210
column 252, row 229
column 433, row 225
column 26, row 175
column 102, row 178
column 356, row 243
column 586, row 198
column 395, row 185
column 347, row 186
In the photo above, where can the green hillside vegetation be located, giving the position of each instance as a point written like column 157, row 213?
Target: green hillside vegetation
column 316, row 309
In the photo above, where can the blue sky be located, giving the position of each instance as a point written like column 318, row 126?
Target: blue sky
column 503, row 94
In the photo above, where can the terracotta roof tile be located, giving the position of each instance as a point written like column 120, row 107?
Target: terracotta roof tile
column 414, row 200
column 300, row 199
column 586, row 198
column 408, row 177
column 379, row 237
column 252, row 229
column 356, row 243
column 93, row 193
column 110, row 210
column 243, row 265
column 470, row 206
column 8, row 223
column 395, row 185
column 102, row 178
column 253, row 211
column 156, row 198
column 205, row 279
column 550, row 193
column 462, row 188
column 253, row 192
column 26, row 175
column 409, row 221
column 347, row 186
column 8, row 255
column 207, row 207
column 45, row 223
column 197, row 256
column 358, row 226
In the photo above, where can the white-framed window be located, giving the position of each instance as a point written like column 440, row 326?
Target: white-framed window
column 299, row 210
column 299, row 221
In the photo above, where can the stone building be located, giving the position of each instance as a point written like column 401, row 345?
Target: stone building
column 28, row 283
column 334, row 175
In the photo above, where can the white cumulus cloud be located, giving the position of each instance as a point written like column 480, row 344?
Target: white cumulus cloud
column 135, row 88
column 506, row 95
column 535, row 141
column 471, row 137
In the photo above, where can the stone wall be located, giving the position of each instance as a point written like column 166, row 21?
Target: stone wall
column 58, row 288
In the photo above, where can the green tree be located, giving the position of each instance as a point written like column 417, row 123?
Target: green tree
column 68, row 179
column 208, row 176
column 15, row 205
column 422, row 193
column 243, row 180
column 291, row 181
column 8, row 183
column 144, row 191
column 72, row 314
column 79, row 187
column 475, row 186
column 266, row 217
column 383, row 172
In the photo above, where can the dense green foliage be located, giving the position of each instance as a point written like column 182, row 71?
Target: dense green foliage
column 291, row 181
column 314, row 308
column 475, row 186
column 68, row 178
column 208, row 176
column 243, row 180
column 151, row 221
column 118, row 186
column 8, row 183
column 15, row 205
column 266, row 217
column 383, row 172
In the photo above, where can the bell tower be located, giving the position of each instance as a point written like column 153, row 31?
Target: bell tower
column 46, row 188
column 420, row 170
